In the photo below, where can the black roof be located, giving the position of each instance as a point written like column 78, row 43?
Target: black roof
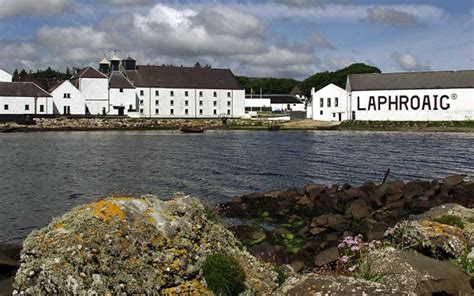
column 182, row 77
column 21, row 89
column 412, row 80
column 117, row 80
column 277, row 98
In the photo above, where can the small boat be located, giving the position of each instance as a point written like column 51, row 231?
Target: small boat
column 273, row 128
column 192, row 130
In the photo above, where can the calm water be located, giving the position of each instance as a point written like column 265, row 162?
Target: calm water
column 45, row 174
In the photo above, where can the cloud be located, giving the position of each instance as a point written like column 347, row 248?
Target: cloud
column 390, row 16
column 408, row 62
column 127, row 2
column 310, row 3
column 20, row 54
column 319, row 41
column 12, row 8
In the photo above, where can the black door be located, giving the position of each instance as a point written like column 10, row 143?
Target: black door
column 340, row 116
column 121, row 111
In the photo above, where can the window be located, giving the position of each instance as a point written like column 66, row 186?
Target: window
column 67, row 96
column 157, row 102
column 27, row 107
column 321, row 102
column 121, row 90
column 200, row 111
column 334, row 115
column 228, row 104
column 5, row 107
column 228, row 112
column 157, row 111
column 215, row 103
column 41, row 108
column 321, row 112
column 67, row 110
column 172, row 93
column 336, row 102
column 215, row 112
column 142, row 93
column 171, row 111
column 141, row 111
column 215, row 94
column 130, row 107
column 186, row 112
column 171, row 103
column 186, row 94
column 200, row 103
column 200, row 94
column 157, row 93
column 186, row 103
column 141, row 102
column 329, row 102
column 228, row 94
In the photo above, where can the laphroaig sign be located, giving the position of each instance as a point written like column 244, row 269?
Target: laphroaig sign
column 402, row 102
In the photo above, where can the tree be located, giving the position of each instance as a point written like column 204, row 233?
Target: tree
column 197, row 65
column 16, row 75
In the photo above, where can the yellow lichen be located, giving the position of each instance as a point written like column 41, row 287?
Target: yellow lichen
column 106, row 209
column 193, row 287
column 58, row 226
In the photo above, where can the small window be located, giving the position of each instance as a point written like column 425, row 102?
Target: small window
column 142, row 93
column 172, row 93
column 294, row 105
column 27, row 107
column 228, row 94
column 157, row 93
column 171, row 111
column 141, row 102
column 157, row 102
column 130, row 107
column 200, row 111
column 157, row 111
column 141, row 111
column 186, row 103
column 334, row 115
column 171, row 103
column 228, row 112
column 67, row 96
column 215, row 103
column 121, row 90
column 186, row 94
column 215, row 112
column 200, row 103
column 321, row 102
column 336, row 102
column 201, row 94
column 321, row 112
column 5, row 107
column 41, row 108
column 215, row 94
column 186, row 112
column 228, row 104
column 329, row 102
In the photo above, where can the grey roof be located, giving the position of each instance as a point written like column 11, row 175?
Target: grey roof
column 89, row 72
column 21, row 89
column 117, row 80
column 182, row 77
column 277, row 98
column 412, row 80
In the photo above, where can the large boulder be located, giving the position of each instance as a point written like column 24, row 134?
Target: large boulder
column 416, row 274
column 131, row 246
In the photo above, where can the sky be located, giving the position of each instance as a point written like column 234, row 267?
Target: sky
column 261, row 38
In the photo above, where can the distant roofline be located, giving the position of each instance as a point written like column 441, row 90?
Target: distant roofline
column 414, row 72
column 47, row 95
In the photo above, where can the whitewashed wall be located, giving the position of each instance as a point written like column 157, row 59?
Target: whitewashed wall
column 257, row 103
column 76, row 102
column 292, row 107
column 16, row 105
column 5, row 76
column 330, row 113
column 96, row 92
column 421, row 105
column 229, row 102
column 125, row 99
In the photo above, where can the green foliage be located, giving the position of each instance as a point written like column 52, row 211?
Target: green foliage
column 339, row 77
column 291, row 242
column 450, row 220
column 210, row 214
column 223, row 275
column 41, row 74
column 281, row 275
column 466, row 263
column 267, row 85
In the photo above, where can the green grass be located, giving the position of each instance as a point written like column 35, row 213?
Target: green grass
column 450, row 220
column 292, row 242
column 223, row 275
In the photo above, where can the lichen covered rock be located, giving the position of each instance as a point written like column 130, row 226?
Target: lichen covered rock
column 131, row 246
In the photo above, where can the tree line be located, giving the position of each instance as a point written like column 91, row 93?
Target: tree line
column 23, row 75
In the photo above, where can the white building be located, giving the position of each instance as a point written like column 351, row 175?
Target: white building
column 184, row 92
column 422, row 96
column 24, row 98
column 329, row 104
column 278, row 102
column 122, row 95
column 67, row 99
column 5, row 76
column 94, row 85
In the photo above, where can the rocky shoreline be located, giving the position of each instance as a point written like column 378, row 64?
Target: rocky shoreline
column 388, row 239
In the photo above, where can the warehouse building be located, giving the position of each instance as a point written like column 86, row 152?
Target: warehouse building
column 24, row 98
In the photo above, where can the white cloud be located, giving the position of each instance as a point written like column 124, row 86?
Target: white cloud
column 391, row 16
column 408, row 62
column 127, row 2
column 319, row 41
column 11, row 8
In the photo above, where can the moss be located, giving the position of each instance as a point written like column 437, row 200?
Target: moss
column 466, row 263
column 450, row 220
column 210, row 214
column 223, row 275
column 264, row 215
column 292, row 242
column 281, row 275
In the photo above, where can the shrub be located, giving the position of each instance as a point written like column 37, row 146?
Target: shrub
column 223, row 275
column 281, row 278
column 450, row 220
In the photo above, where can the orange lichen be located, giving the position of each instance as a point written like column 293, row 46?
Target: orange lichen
column 58, row 226
column 106, row 209
column 193, row 287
